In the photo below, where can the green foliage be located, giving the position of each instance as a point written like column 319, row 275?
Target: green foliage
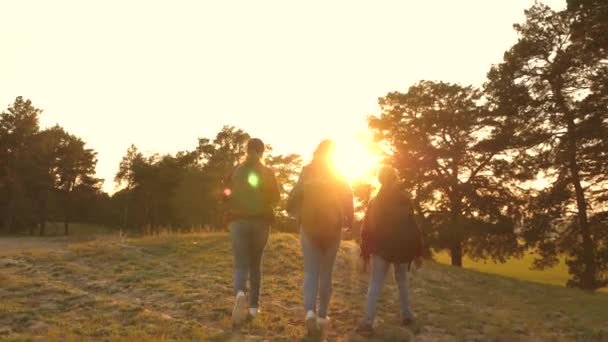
column 553, row 96
column 448, row 150
column 287, row 168
column 183, row 191
column 41, row 170
column 18, row 127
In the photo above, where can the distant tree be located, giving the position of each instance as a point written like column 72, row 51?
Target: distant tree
column 448, row 150
column 136, row 174
column 75, row 170
column 178, row 191
column 126, row 179
column 18, row 127
column 188, row 201
column 286, row 168
column 554, row 96
column 42, row 176
column 219, row 157
column 38, row 167
column 362, row 192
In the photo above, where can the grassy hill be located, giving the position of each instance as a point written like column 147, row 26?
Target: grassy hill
column 517, row 268
column 178, row 287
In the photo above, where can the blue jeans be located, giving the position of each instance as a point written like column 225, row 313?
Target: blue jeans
column 378, row 273
column 249, row 238
column 318, row 267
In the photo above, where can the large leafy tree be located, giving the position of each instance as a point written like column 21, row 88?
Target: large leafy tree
column 39, row 168
column 447, row 148
column 18, row 128
column 74, row 172
column 554, row 94
column 137, row 174
column 590, row 27
column 42, row 178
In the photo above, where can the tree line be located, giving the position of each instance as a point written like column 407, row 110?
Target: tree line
column 518, row 164
column 521, row 163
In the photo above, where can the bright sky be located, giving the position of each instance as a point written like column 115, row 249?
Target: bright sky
column 160, row 74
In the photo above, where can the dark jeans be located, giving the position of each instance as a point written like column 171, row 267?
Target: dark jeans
column 249, row 238
column 379, row 270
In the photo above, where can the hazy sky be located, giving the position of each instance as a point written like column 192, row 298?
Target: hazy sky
column 160, row 74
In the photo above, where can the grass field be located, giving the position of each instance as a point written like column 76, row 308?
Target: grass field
column 517, row 268
column 178, row 287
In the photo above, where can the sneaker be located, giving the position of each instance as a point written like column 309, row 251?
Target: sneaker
column 312, row 327
column 253, row 312
column 323, row 327
column 407, row 321
column 238, row 312
column 365, row 329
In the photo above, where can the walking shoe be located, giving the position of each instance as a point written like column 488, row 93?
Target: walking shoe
column 238, row 312
column 253, row 312
column 312, row 327
column 365, row 329
column 323, row 327
column 407, row 321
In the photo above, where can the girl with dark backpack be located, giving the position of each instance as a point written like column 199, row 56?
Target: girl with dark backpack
column 250, row 192
column 389, row 236
column 323, row 204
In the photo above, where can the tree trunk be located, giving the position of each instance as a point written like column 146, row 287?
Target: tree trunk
column 456, row 235
column 42, row 216
column 456, row 253
column 456, row 212
column 66, row 215
column 588, row 278
column 10, row 215
column 125, row 215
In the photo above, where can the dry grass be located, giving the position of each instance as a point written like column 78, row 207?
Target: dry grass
column 178, row 287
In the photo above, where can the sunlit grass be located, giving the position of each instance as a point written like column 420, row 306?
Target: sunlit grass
column 516, row 268
column 178, row 287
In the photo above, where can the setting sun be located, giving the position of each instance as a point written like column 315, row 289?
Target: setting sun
column 355, row 159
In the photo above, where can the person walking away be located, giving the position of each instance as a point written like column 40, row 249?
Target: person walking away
column 323, row 203
column 389, row 236
column 250, row 192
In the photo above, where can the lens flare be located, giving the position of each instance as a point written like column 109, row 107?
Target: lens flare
column 253, row 180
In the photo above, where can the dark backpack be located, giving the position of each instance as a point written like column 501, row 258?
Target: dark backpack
column 248, row 196
column 321, row 213
column 396, row 233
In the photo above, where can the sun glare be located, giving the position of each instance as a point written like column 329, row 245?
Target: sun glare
column 356, row 160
